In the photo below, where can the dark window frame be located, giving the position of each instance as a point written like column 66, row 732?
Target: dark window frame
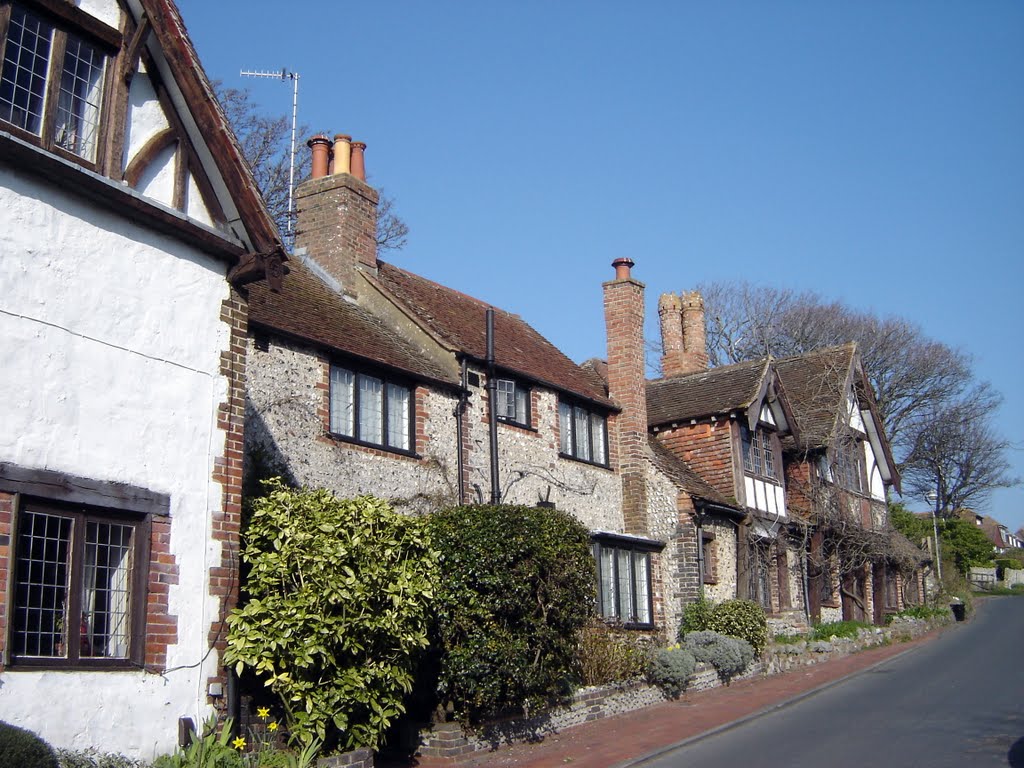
column 760, row 452
column 638, row 552
column 708, row 558
column 138, row 583
column 849, row 470
column 67, row 25
column 386, row 380
column 527, row 421
column 575, row 450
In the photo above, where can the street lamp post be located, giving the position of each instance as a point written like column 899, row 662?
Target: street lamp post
column 934, row 499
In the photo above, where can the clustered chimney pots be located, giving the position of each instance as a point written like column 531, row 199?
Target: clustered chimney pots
column 345, row 156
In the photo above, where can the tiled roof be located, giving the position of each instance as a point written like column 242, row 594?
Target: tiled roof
column 459, row 320
column 309, row 309
column 706, row 393
column 815, row 384
column 683, row 475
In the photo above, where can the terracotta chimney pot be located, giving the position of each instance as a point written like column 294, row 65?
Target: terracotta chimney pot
column 321, row 148
column 342, row 153
column 358, row 162
column 622, row 267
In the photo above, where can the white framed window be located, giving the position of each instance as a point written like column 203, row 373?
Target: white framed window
column 79, row 590
column 371, row 409
column 51, row 83
column 583, row 433
column 624, row 581
column 512, row 402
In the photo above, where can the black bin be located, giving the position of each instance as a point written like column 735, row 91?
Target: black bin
column 959, row 611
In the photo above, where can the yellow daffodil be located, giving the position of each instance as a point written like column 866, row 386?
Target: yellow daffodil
column 272, row 727
column 263, row 712
column 239, row 743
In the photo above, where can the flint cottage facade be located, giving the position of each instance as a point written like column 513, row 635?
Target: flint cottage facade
column 130, row 232
column 365, row 378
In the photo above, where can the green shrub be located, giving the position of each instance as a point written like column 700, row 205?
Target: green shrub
column 829, row 630
column 92, row 758
column 728, row 655
column 339, row 600
column 784, row 639
column 919, row 612
column 24, row 749
column 209, row 749
column 670, row 669
column 518, row 587
column 744, row 619
column 696, row 616
column 611, row 656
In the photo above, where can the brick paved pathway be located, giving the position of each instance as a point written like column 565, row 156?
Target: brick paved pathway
column 617, row 741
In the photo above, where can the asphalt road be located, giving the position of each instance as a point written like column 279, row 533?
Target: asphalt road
column 957, row 701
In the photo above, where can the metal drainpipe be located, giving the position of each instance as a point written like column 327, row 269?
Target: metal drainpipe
column 806, row 578
column 460, row 408
column 234, row 700
column 492, row 391
column 699, row 524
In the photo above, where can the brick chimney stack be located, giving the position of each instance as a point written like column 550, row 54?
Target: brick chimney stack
column 695, row 350
column 624, row 321
column 670, row 312
column 337, row 212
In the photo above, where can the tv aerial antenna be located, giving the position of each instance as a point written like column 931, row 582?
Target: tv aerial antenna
column 284, row 75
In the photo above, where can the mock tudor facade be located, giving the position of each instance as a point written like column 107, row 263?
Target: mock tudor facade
column 130, row 228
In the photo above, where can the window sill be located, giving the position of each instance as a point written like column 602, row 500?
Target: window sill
column 583, row 461
column 633, row 626
column 710, row 579
column 764, row 478
column 344, row 439
column 517, row 425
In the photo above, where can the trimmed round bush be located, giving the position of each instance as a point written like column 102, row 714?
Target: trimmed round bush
column 670, row 669
column 744, row 619
column 24, row 749
column 696, row 617
column 728, row 655
column 517, row 586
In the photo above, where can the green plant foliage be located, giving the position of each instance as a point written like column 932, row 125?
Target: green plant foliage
column 696, row 616
column 670, row 669
column 608, row 655
column 832, row 629
column 744, row 619
column 784, row 639
column 915, row 528
column 965, row 544
column 339, row 598
column 919, row 612
column 92, row 758
column 213, row 748
column 22, row 748
column 728, row 655
column 210, row 749
column 518, row 587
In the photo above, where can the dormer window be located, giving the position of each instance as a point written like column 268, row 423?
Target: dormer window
column 758, row 452
column 512, row 402
column 51, row 85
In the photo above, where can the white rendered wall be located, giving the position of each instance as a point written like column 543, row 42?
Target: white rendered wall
column 106, row 11
column 146, row 117
column 111, row 342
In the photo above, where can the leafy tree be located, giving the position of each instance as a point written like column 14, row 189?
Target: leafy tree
column 338, row 602
column 266, row 144
column 965, row 544
column 518, row 588
column 915, row 528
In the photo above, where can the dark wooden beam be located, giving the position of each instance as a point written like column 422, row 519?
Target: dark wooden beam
column 59, row 486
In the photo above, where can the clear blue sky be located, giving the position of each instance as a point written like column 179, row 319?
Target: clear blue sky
column 870, row 151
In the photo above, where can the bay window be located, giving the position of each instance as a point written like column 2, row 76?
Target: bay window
column 624, row 580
